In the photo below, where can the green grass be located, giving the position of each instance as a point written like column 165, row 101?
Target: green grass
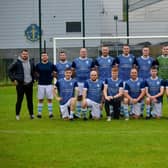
column 55, row 143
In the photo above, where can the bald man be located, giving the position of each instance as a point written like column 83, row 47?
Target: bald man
column 92, row 95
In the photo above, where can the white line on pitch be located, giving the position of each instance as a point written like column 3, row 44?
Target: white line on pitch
column 118, row 132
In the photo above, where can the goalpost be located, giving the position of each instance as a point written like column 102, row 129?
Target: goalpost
column 115, row 40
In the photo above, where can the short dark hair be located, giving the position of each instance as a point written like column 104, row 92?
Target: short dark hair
column 134, row 68
column 126, row 45
column 68, row 69
column 154, row 68
column 114, row 69
column 62, row 51
column 23, row 50
column 44, row 53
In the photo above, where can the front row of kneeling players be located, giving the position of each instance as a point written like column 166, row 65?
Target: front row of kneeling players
column 112, row 92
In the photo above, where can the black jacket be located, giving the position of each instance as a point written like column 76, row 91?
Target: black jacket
column 16, row 72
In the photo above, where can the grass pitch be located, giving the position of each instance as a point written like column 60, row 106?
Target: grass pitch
column 45, row 143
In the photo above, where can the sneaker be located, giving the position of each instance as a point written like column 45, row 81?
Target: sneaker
column 31, row 117
column 39, row 116
column 126, row 119
column 17, row 117
column 71, row 117
column 51, row 116
column 108, row 118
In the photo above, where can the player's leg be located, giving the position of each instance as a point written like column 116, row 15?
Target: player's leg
column 64, row 111
column 148, row 108
column 49, row 96
column 142, row 107
column 96, row 111
column 108, row 109
column 126, row 114
column 85, row 104
column 79, row 100
column 122, row 103
column 116, row 107
column 72, row 107
column 157, row 110
column 29, row 97
column 20, row 95
column 40, row 95
column 136, row 109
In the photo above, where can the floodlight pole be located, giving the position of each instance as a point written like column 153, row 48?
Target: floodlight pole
column 127, row 19
column 40, row 36
column 83, row 21
column 44, row 46
column 116, row 29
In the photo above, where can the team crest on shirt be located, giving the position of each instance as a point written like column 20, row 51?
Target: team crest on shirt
column 98, row 85
column 109, row 61
column 87, row 62
column 67, row 66
column 138, row 83
column 149, row 62
column 158, row 83
column 116, row 84
column 71, row 83
column 130, row 59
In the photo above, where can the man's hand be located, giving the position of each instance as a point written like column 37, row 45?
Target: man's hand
column 15, row 82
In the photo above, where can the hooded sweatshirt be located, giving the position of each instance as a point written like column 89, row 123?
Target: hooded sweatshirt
column 27, row 70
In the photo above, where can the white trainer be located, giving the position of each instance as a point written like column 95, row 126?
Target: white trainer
column 71, row 117
column 108, row 118
column 17, row 117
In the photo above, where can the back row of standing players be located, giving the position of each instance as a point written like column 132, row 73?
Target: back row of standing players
column 133, row 81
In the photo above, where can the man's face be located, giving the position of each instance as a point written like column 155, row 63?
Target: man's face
column 165, row 50
column 126, row 50
column 114, row 74
column 62, row 57
column 145, row 52
column 134, row 74
column 93, row 76
column 83, row 53
column 105, row 51
column 44, row 57
column 24, row 55
column 153, row 73
column 68, row 74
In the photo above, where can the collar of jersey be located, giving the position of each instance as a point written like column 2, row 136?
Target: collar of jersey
column 114, row 80
column 154, row 78
column 63, row 62
column 105, row 57
column 94, row 81
column 83, row 58
column 145, row 58
column 67, row 79
column 125, row 55
column 44, row 62
column 164, row 56
column 134, row 80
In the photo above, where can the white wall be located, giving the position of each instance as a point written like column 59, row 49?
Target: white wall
column 150, row 20
column 15, row 17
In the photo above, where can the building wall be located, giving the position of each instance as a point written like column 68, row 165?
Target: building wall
column 17, row 15
column 150, row 20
